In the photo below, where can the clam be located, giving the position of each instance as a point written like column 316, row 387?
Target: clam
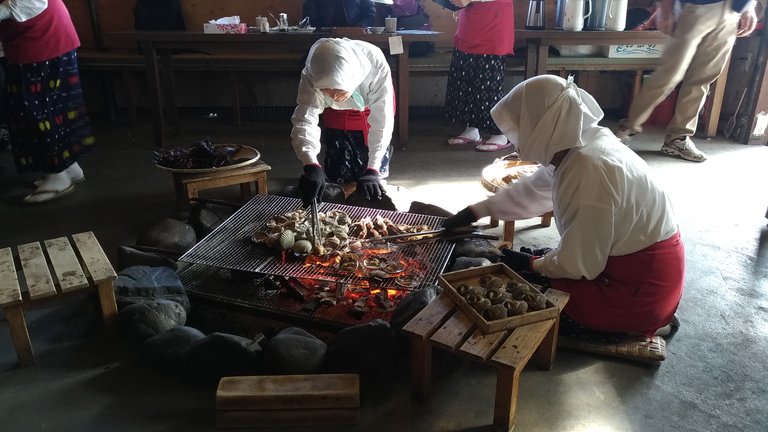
column 302, row 247
column 286, row 240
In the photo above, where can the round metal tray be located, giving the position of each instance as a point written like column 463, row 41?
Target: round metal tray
column 246, row 156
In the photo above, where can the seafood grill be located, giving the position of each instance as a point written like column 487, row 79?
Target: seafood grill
column 231, row 247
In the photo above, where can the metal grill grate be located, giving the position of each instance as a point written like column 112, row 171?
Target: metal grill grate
column 229, row 246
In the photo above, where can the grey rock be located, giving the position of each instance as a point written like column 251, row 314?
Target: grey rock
column 169, row 234
column 140, row 322
column 222, row 354
column 477, row 248
column 418, row 207
column 139, row 284
column 294, row 351
column 358, row 200
column 412, row 304
column 129, row 257
column 367, row 349
column 167, row 348
column 462, row 263
column 204, row 218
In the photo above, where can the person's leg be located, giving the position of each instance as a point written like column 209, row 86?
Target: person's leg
column 491, row 74
column 678, row 53
column 457, row 104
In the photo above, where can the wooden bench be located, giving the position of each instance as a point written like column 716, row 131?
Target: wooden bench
column 50, row 271
column 441, row 324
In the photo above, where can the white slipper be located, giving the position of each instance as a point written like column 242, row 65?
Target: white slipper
column 80, row 179
column 45, row 195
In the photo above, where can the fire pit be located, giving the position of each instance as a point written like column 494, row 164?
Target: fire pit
column 230, row 268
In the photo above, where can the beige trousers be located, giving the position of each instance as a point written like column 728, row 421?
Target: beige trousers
column 695, row 55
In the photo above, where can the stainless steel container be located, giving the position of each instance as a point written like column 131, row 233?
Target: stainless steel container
column 535, row 19
column 282, row 22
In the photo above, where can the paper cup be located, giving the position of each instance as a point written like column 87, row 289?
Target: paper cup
column 390, row 25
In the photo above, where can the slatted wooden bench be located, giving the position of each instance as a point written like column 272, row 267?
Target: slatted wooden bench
column 51, row 270
column 441, row 324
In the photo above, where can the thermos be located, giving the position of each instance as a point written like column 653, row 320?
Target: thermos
column 282, row 22
column 535, row 19
column 569, row 14
column 617, row 16
column 596, row 20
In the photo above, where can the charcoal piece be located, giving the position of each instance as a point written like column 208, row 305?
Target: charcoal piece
column 140, row 322
column 294, row 351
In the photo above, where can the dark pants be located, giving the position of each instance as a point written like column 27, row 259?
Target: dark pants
column 346, row 156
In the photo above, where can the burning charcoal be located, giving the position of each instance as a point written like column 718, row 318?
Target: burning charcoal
column 383, row 301
column 310, row 306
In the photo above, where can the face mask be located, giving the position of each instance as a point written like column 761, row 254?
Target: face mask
column 358, row 100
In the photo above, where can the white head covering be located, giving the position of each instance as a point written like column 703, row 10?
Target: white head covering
column 546, row 114
column 335, row 64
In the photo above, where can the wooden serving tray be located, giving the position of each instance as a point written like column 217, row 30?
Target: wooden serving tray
column 472, row 276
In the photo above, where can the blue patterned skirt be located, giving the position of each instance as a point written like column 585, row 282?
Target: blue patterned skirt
column 475, row 85
column 47, row 117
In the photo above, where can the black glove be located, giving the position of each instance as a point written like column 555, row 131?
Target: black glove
column 369, row 184
column 312, row 184
column 517, row 261
column 460, row 219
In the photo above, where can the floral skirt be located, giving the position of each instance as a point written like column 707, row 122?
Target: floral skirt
column 47, row 117
column 475, row 85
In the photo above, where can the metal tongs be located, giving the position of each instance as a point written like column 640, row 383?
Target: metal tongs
column 314, row 224
column 433, row 235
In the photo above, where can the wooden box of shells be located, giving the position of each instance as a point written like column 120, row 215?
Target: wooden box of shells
column 496, row 298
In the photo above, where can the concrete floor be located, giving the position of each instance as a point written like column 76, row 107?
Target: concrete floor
column 713, row 380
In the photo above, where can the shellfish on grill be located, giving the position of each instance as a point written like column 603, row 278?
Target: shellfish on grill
column 302, row 247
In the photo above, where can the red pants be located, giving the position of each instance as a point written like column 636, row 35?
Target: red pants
column 636, row 293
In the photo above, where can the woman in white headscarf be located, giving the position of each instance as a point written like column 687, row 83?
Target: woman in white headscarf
column 353, row 79
column 620, row 254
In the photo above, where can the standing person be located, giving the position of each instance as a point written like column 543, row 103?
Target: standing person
column 620, row 254
column 484, row 37
column 340, row 13
column 696, row 53
column 49, row 127
column 353, row 78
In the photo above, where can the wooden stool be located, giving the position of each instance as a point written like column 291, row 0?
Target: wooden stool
column 287, row 400
column 84, row 267
column 445, row 326
column 509, row 226
column 189, row 185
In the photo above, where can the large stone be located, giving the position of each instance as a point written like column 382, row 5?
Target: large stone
column 418, row 207
column 367, row 349
column 462, row 263
column 169, row 234
column 412, row 304
column 140, row 284
column 204, row 218
column 222, row 354
column 357, row 199
column 477, row 248
column 294, row 351
column 129, row 257
column 167, row 348
column 140, row 322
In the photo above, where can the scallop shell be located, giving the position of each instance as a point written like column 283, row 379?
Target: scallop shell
column 286, row 240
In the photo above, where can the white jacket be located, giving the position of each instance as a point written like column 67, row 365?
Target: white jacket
column 353, row 66
column 605, row 201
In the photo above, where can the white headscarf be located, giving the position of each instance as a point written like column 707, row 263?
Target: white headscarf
column 546, row 114
column 335, row 64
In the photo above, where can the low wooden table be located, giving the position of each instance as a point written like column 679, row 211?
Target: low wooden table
column 188, row 186
column 443, row 325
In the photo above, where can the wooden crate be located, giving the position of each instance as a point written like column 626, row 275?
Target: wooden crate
column 287, row 400
column 472, row 276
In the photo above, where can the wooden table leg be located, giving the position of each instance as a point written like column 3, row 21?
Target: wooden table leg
column 19, row 334
column 245, row 192
column 108, row 304
column 545, row 353
column 261, row 184
column 546, row 219
column 154, row 92
column 509, row 232
column 505, row 405
column 402, row 97
column 421, row 368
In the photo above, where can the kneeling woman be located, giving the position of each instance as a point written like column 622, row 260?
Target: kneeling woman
column 620, row 254
column 350, row 83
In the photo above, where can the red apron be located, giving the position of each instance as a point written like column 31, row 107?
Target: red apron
column 350, row 120
column 636, row 293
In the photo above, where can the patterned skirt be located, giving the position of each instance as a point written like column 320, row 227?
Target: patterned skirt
column 47, row 117
column 475, row 85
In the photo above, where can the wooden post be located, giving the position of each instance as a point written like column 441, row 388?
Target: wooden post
column 19, row 334
column 421, row 368
column 546, row 219
column 505, row 405
column 108, row 304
